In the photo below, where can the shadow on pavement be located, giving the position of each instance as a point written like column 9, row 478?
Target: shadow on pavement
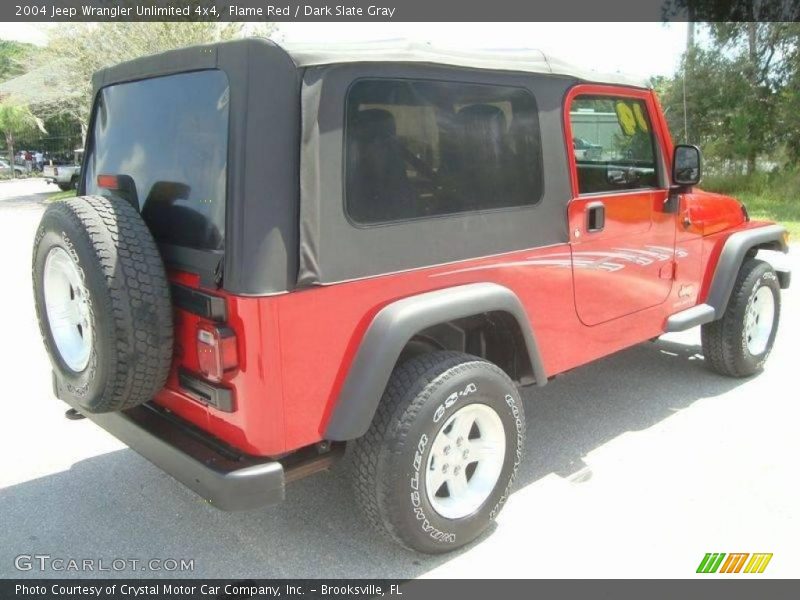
column 25, row 194
column 118, row 505
column 629, row 391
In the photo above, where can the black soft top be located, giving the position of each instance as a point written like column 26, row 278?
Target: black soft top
column 285, row 224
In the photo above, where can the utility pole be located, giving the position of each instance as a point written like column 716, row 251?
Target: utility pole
column 752, row 71
column 690, row 25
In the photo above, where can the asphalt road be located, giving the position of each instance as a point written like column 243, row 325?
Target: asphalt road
column 636, row 466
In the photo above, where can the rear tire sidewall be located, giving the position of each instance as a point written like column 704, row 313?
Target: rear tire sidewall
column 420, row 526
column 77, row 387
column 761, row 276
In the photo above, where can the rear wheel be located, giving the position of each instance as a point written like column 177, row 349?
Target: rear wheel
column 738, row 344
column 439, row 459
column 102, row 302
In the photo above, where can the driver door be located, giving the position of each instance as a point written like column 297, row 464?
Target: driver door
column 622, row 240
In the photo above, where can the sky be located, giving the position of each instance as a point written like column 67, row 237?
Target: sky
column 638, row 49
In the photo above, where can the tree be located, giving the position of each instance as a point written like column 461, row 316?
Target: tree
column 734, row 94
column 16, row 119
column 789, row 100
column 757, row 52
column 76, row 51
column 13, row 58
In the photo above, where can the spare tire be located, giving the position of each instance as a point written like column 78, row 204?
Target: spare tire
column 103, row 303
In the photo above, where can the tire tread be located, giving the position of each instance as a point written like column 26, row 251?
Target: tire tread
column 137, row 293
column 721, row 339
column 407, row 391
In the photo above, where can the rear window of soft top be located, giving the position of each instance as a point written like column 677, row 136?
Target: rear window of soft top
column 170, row 135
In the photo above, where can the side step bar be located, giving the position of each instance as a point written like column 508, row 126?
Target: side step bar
column 691, row 317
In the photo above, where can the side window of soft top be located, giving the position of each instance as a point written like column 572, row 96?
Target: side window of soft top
column 418, row 149
column 613, row 143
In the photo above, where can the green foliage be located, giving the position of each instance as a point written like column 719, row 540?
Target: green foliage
column 769, row 196
column 18, row 118
column 63, row 136
column 59, row 195
column 15, row 120
column 740, row 94
column 14, row 57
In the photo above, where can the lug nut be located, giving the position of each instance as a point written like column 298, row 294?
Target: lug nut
column 456, row 470
column 446, row 450
column 444, row 468
column 466, row 454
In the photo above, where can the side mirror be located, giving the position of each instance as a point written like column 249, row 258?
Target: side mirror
column 686, row 165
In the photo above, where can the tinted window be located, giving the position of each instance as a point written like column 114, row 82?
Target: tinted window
column 170, row 135
column 423, row 148
column 613, row 143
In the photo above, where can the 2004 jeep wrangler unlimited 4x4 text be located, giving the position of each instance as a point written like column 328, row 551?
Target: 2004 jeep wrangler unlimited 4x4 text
column 277, row 254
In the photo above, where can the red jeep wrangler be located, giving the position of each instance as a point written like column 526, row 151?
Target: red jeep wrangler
column 279, row 253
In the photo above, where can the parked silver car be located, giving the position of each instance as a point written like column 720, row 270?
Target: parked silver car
column 5, row 169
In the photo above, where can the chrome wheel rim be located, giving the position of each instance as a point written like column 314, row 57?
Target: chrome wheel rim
column 67, row 306
column 758, row 320
column 465, row 461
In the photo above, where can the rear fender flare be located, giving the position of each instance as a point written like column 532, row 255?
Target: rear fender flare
column 394, row 326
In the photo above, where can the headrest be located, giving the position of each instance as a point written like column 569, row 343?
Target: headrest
column 483, row 116
column 373, row 124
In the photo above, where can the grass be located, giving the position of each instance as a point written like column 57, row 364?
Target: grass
column 59, row 195
column 768, row 196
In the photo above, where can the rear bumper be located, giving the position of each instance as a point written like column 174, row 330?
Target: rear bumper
column 227, row 480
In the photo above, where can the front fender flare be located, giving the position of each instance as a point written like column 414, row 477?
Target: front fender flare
column 394, row 326
column 732, row 257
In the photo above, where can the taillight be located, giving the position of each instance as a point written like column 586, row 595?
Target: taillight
column 120, row 185
column 216, row 351
column 109, row 182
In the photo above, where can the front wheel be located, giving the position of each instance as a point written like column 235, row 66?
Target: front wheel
column 440, row 457
column 738, row 344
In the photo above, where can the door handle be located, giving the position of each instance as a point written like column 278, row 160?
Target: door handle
column 595, row 217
